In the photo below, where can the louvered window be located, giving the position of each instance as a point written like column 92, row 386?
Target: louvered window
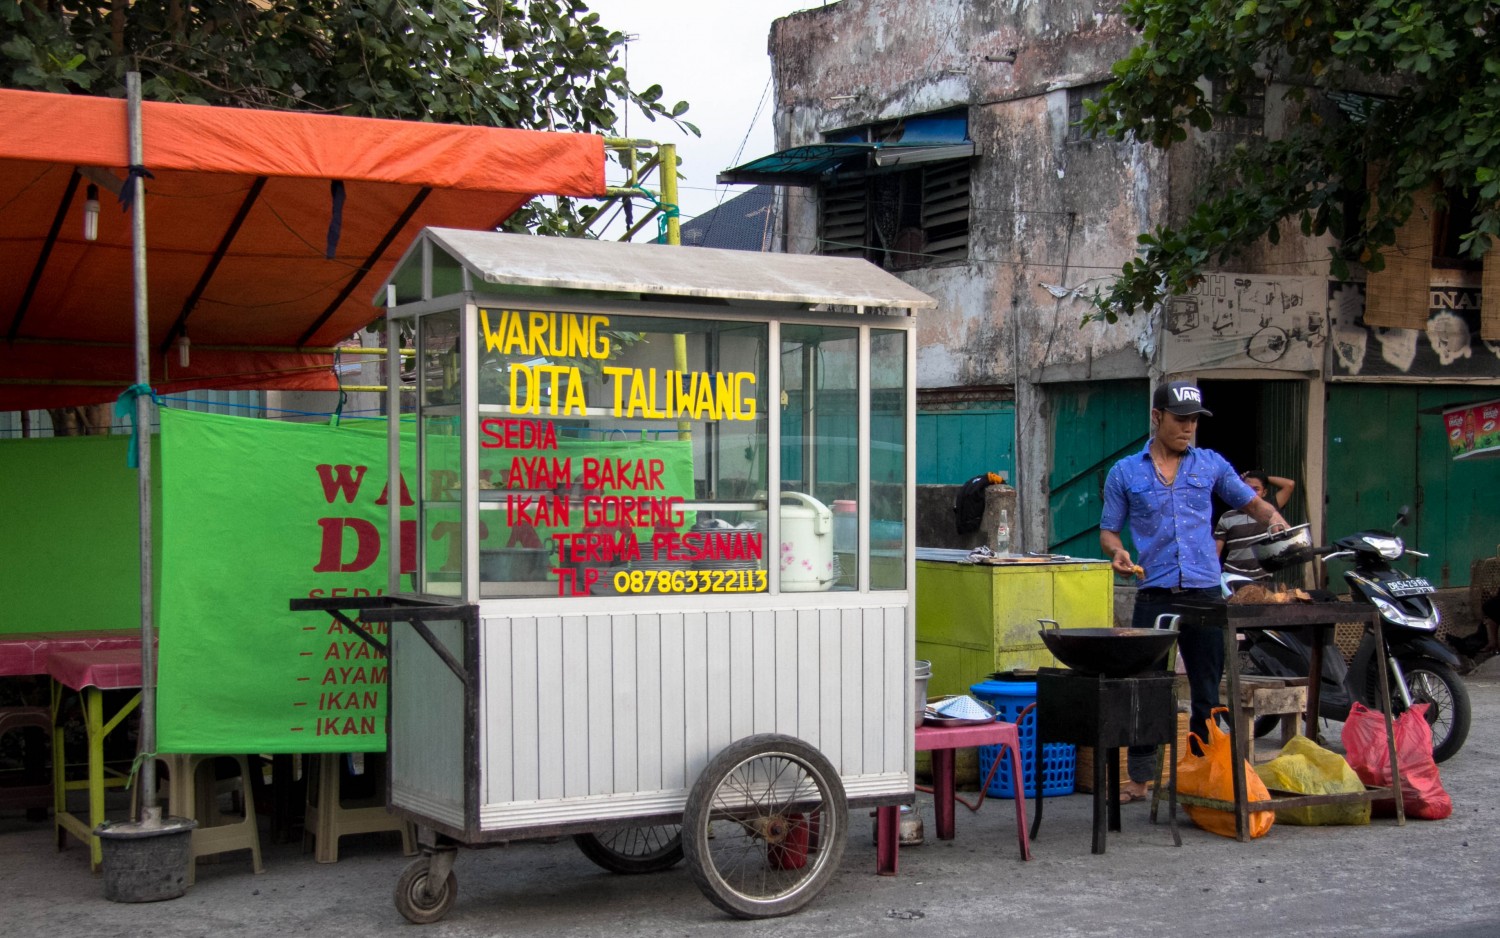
column 900, row 199
column 843, row 212
column 898, row 219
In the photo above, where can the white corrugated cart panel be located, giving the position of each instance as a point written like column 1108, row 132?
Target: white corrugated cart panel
column 645, row 700
column 427, row 723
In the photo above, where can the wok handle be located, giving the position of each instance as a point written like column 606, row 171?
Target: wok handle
column 1171, row 625
column 1044, row 623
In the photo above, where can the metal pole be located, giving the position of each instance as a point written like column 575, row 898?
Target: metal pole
column 150, row 810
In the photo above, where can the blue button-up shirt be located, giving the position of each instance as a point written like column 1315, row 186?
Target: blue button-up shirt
column 1173, row 524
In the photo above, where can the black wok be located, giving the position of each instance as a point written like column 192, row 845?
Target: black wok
column 1108, row 652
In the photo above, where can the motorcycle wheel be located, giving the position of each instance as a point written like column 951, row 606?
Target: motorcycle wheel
column 1448, row 710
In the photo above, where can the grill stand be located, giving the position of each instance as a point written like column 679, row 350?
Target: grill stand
column 1107, row 713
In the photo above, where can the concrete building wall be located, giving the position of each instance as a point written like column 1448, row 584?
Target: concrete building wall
column 1051, row 215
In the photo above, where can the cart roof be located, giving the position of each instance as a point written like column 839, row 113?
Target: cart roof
column 656, row 270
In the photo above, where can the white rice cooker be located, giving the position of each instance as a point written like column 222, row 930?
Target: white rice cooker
column 806, row 554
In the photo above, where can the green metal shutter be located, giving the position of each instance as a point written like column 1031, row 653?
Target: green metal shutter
column 1093, row 425
column 1384, row 452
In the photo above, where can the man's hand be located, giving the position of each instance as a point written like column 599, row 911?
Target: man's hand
column 1266, row 513
column 1119, row 557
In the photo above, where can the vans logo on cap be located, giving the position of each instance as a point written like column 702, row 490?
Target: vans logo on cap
column 1187, row 394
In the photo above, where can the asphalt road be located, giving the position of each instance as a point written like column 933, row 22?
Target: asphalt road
column 1427, row 878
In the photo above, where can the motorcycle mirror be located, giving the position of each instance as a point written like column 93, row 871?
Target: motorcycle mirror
column 1401, row 515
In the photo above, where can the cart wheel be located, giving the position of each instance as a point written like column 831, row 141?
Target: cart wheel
column 634, row 849
column 765, row 826
column 415, row 902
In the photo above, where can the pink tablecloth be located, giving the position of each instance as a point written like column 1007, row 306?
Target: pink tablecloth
column 23, row 653
column 104, row 668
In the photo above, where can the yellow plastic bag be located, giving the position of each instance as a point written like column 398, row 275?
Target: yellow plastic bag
column 1305, row 768
column 1209, row 776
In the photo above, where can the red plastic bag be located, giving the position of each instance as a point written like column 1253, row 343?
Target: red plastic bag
column 1422, row 791
column 1208, row 776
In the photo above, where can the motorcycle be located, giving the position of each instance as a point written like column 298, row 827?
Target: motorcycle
column 1420, row 669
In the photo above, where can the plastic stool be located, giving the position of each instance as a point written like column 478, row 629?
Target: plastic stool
column 191, row 794
column 328, row 818
column 36, row 792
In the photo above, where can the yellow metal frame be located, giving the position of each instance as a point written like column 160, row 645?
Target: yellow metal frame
column 65, row 822
column 638, row 166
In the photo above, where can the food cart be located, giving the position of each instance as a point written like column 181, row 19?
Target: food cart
column 600, row 622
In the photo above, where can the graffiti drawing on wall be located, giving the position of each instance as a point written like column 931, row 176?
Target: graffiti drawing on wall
column 1450, row 346
column 1238, row 320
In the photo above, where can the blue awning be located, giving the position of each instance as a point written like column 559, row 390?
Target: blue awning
column 918, row 140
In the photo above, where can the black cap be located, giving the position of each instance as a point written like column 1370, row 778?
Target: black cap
column 1181, row 398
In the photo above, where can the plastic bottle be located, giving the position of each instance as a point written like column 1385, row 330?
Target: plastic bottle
column 1002, row 534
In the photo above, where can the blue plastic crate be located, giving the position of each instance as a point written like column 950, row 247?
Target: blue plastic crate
column 1059, row 760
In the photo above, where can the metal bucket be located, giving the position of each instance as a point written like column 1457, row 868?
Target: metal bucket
column 922, row 673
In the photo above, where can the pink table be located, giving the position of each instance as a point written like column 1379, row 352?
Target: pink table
column 90, row 672
column 104, row 668
column 941, row 741
column 25, row 653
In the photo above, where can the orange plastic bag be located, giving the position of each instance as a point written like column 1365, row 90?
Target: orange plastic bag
column 1209, row 776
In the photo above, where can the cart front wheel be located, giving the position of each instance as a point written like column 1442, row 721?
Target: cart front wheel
column 634, row 849
column 417, row 900
column 765, row 826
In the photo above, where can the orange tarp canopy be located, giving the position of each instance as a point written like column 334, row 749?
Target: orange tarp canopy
column 238, row 214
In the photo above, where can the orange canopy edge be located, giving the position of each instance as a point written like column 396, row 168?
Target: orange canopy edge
column 239, row 212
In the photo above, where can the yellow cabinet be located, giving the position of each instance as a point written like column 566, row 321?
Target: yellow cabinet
column 974, row 619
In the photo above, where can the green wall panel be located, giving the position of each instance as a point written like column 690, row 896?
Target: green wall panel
column 1384, row 452
column 954, row 445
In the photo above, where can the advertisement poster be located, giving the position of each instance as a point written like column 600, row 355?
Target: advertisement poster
column 1473, row 430
column 1449, row 348
column 253, row 513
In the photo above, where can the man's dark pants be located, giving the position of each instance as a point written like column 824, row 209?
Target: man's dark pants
column 1201, row 644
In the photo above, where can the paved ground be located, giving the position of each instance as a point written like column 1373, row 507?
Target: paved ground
column 1428, row 879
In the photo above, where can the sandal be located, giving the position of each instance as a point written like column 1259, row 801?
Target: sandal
column 1127, row 796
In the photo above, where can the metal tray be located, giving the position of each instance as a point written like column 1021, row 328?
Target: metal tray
column 958, row 710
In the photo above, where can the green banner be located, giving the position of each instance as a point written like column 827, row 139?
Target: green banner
column 255, row 512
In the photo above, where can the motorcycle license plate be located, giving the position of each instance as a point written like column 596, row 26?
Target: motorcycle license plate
column 1415, row 586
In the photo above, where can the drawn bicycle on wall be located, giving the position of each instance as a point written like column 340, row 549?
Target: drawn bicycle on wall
column 1271, row 342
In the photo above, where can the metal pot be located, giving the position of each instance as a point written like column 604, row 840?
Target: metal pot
column 1284, row 548
column 1107, row 652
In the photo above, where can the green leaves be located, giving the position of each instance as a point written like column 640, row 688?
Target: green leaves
column 1423, row 79
column 539, row 64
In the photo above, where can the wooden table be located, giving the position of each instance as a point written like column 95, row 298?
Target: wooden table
column 89, row 673
column 1315, row 619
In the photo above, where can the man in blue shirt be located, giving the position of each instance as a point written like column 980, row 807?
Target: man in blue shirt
column 1166, row 494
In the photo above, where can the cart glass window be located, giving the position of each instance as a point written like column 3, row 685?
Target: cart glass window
column 620, row 454
column 438, row 354
column 887, row 459
column 819, row 458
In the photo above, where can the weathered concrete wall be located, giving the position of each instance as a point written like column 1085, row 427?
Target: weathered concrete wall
column 935, row 523
column 1052, row 217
